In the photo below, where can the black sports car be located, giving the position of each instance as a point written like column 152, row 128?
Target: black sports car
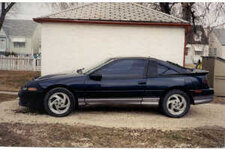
column 135, row 80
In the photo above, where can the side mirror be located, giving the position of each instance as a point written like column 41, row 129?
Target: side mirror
column 96, row 77
column 80, row 71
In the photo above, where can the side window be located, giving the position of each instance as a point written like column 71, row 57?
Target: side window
column 163, row 70
column 152, row 68
column 124, row 68
column 170, row 72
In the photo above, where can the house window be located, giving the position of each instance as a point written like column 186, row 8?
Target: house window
column 198, row 36
column 187, row 51
column 198, row 53
column 19, row 44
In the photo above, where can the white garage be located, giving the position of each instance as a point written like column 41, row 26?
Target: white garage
column 85, row 35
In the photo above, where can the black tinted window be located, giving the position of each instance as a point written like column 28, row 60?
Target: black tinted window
column 170, row 72
column 152, row 68
column 124, row 68
column 163, row 70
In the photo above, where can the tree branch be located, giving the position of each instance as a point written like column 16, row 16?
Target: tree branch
column 9, row 7
column 4, row 11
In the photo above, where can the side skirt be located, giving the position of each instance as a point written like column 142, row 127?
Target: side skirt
column 143, row 101
column 150, row 101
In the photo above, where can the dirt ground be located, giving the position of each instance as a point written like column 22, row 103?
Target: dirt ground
column 121, row 116
column 13, row 80
column 112, row 126
column 58, row 135
column 219, row 100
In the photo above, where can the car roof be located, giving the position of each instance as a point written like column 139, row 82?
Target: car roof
column 139, row 57
column 129, row 58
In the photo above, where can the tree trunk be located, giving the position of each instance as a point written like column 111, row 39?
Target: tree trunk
column 165, row 7
column 186, row 10
column 4, row 11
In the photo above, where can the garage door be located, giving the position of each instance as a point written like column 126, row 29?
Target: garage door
column 219, row 77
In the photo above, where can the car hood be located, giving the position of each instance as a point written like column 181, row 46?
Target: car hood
column 69, row 79
column 59, row 76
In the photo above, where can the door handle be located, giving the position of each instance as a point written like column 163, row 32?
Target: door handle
column 141, row 82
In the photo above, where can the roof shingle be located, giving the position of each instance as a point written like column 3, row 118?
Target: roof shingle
column 19, row 27
column 113, row 11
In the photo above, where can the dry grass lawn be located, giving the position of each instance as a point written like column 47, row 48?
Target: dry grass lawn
column 13, row 80
column 6, row 97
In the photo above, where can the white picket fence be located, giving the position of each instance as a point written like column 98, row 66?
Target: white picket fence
column 20, row 63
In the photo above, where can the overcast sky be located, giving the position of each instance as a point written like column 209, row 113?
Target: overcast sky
column 28, row 10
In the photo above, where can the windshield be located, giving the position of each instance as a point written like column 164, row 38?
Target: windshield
column 96, row 66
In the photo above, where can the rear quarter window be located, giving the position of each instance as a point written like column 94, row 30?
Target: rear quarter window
column 163, row 70
column 156, row 69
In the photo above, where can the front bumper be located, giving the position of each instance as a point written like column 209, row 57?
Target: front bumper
column 31, row 99
column 206, row 96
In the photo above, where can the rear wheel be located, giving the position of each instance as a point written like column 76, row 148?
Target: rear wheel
column 59, row 102
column 175, row 104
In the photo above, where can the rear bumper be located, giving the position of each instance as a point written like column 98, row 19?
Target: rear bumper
column 203, row 99
column 206, row 96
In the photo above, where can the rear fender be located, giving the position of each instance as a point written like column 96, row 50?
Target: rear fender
column 177, row 88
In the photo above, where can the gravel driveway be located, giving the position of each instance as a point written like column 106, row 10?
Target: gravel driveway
column 120, row 116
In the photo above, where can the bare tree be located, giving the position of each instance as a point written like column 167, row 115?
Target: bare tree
column 187, row 11
column 166, row 7
column 5, row 7
column 163, row 7
column 64, row 5
column 212, row 15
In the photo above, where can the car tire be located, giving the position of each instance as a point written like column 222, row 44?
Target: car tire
column 59, row 102
column 175, row 104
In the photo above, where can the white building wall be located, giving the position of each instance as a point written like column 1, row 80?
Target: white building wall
column 68, row 46
column 215, row 46
column 36, row 40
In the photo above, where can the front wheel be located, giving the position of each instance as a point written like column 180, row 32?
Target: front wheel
column 175, row 104
column 59, row 102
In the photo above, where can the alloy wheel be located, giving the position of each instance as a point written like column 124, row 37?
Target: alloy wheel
column 59, row 103
column 176, row 104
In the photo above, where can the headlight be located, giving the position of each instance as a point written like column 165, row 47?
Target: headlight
column 24, row 88
column 31, row 86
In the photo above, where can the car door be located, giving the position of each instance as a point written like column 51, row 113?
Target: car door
column 122, row 81
column 159, row 79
